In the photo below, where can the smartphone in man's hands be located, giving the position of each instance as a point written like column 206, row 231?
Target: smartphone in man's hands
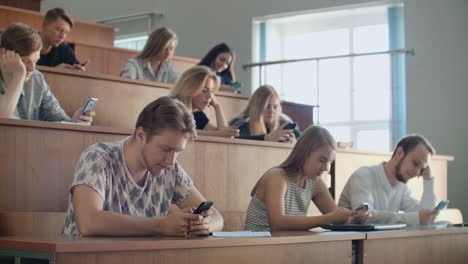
column 203, row 207
column 363, row 206
column 90, row 105
column 441, row 206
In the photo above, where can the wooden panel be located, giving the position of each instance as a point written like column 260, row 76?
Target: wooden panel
column 224, row 170
column 324, row 252
column 34, row 5
column 348, row 161
column 31, row 223
column 120, row 99
column 37, row 165
column 110, row 60
column 423, row 248
column 303, row 114
column 87, row 32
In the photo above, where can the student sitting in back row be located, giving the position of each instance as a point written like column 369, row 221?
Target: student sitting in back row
column 196, row 88
column 24, row 94
column 262, row 119
column 281, row 197
column 55, row 28
column 384, row 187
column 152, row 64
column 127, row 187
column 221, row 60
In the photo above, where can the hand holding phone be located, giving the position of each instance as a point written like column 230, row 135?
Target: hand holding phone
column 203, row 207
column 290, row 126
column 441, row 206
column 362, row 206
column 90, row 105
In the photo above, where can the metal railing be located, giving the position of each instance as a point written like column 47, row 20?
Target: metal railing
column 120, row 19
column 262, row 66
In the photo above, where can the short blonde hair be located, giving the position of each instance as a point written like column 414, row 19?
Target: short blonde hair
column 21, row 39
column 157, row 41
column 192, row 82
column 256, row 108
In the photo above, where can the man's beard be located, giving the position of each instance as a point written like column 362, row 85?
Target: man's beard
column 398, row 175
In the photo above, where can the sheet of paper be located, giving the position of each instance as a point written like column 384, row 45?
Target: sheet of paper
column 241, row 234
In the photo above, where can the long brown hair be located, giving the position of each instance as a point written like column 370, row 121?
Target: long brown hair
column 157, row 41
column 313, row 138
column 256, row 108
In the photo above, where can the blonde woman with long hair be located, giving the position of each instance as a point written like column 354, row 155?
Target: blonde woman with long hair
column 152, row 64
column 263, row 119
column 196, row 88
column 281, row 197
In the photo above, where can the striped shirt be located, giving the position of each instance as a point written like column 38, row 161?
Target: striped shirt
column 296, row 203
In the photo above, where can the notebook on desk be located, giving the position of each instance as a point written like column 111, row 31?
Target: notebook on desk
column 363, row 227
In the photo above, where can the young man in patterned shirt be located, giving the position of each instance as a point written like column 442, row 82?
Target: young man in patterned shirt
column 127, row 187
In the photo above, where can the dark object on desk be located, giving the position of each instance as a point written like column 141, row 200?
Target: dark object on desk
column 363, row 227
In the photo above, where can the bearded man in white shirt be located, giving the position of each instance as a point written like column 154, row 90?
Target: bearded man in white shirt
column 384, row 187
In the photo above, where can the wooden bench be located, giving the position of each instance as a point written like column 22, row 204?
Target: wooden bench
column 37, row 162
column 122, row 99
column 110, row 60
column 87, row 32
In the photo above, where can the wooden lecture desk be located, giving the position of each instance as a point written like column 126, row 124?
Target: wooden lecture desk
column 282, row 247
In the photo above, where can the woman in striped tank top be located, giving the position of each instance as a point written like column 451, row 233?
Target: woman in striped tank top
column 281, row 197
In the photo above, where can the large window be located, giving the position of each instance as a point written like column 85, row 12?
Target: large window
column 354, row 93
column 133, row 43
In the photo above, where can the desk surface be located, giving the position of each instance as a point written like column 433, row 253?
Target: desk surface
column 417, row 232
column 60, row 244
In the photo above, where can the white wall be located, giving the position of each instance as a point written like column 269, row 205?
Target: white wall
column 437, row 76
column 437, row 84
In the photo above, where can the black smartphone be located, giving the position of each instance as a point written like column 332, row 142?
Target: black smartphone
column 203, row 207
column 290, row 126
column 89, row 106
column 363, row 206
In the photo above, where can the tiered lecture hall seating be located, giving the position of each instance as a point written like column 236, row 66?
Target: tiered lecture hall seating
column 92, row 33
column 34, row 5
column 37, row 161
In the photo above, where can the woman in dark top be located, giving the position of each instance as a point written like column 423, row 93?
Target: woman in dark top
column 263, row 119
column 196, row 88
column 221, row 60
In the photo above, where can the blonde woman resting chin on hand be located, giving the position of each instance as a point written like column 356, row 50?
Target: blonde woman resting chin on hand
column 196, row 88
column 281, row 197
column 263, row 119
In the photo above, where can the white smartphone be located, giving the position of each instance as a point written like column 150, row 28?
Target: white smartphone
column 90, row 105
